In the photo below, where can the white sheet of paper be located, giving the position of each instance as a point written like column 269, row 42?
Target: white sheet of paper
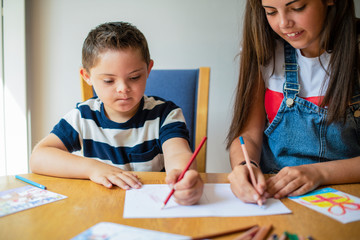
column 217, row 201
column 113, row 231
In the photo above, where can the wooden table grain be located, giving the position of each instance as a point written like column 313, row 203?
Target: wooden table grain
column 89, row 203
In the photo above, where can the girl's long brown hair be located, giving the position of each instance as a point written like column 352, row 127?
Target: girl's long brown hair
column 338, row 37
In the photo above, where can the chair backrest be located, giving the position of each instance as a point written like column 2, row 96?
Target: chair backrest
column 189, row 89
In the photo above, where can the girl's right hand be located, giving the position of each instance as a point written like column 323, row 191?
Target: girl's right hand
column 108, row 176
column 242, row 187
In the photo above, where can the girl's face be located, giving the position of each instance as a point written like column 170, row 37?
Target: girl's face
column 299, row 22
column 119, row 79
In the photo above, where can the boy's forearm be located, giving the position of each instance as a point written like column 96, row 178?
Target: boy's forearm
column 59, row 163
column 179, row 161
column 177, row 154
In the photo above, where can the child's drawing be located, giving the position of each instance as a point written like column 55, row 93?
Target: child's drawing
column 18, row 199
column 341, row 206
column 335, row 204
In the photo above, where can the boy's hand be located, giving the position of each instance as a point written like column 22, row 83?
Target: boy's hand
column 108, row 176
column 242, row 187
column 293, row 181
column 189, row 189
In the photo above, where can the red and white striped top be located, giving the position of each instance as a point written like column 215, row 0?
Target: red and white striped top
column 312, row 79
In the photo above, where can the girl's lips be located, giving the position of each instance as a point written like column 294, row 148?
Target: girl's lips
column 293, row 34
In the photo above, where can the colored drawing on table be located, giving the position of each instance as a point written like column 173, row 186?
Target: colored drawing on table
column 333, row 203
column 114, row 231
column 22, row 198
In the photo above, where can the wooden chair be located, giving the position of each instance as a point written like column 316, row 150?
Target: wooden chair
column 187, row 88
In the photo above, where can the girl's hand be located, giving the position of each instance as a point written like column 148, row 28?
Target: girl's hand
column 242, row 187
column 189, row 189
column 294, row 181
column 108, row 176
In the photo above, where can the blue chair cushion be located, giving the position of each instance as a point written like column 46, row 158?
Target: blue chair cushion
column 180, row 87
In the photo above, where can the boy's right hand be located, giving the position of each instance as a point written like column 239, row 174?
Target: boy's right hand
column 189, row 189
column 108, row 176
column 242, row 187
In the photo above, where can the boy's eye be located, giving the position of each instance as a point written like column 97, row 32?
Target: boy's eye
column 134, row 77
column 108, row 81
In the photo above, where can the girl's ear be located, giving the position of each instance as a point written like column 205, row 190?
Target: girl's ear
column 84, row 74
column 330, row 2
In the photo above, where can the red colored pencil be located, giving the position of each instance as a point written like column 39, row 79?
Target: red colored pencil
column 185, row 169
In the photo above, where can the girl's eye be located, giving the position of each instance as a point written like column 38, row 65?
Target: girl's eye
column 270, row 13
column 300, row 8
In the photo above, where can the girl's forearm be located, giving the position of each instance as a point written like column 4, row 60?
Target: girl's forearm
column 236, row 153
column 340, row 171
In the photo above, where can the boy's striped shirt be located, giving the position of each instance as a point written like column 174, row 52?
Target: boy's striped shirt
column 135, row 145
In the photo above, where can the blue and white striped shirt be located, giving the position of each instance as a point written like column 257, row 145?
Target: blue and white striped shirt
column 135, row 145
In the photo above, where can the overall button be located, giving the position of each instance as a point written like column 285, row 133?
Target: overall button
column 289, row 102
column 357, row 113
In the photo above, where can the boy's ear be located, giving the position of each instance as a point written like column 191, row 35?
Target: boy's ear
column 151, row 64
column 84, row 74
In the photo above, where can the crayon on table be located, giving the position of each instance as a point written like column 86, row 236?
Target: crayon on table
column 248, row 234
column 262, row 233
column 273, row 237
column 220, row 234
column 291, row 236
column 30, row 182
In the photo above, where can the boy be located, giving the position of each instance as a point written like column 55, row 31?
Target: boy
column 121, row 130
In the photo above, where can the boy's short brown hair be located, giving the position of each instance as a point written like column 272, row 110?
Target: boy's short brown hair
column 112, row 36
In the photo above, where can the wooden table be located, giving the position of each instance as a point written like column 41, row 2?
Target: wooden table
column 89, row 203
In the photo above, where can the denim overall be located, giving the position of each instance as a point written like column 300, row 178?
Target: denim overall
column 299, row 134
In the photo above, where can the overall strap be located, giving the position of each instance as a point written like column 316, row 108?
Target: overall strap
column 291, row 86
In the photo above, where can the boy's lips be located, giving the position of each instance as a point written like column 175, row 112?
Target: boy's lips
column 124, row 99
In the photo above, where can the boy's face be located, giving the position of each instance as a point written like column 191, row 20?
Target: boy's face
column 119, row 80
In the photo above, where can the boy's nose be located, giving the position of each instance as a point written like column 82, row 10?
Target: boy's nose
column 122, row 87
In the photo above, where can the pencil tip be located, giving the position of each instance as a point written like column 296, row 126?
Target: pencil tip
column 162, row 207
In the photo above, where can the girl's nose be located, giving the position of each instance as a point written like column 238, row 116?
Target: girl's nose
column 285, row 21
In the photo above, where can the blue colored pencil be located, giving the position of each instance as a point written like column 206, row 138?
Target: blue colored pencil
column 30, row 182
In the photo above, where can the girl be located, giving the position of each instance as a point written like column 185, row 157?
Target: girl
column 298, row 100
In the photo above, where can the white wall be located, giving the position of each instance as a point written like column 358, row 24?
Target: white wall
column 181, row 34
column 13, row 110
